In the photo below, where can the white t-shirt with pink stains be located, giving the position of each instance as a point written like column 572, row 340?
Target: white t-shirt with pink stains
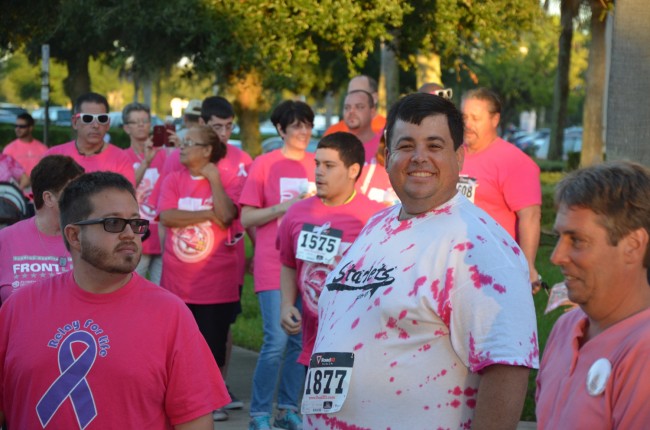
column 424, row 305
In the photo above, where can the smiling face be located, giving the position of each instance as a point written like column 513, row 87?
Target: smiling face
column 296, row 136
column 334, row 181
column 593, row 268
column 110, row 252
column 422, row 164
column 90, row 136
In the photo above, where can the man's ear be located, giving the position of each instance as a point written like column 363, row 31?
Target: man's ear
column 353, row 171
column 635, row 245
column 49, row 199
column 71, row 234
column 202, row 121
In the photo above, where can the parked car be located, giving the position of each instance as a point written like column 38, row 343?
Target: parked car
column 59, row 115
column 572, row 143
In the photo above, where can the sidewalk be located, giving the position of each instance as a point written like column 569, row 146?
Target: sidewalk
column 240, row 377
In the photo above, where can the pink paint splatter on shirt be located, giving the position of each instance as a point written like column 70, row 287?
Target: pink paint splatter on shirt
column 483, row 220
column 331, row 422
column 418, row 283
column 455, row 403
column 534, row 354
column 393, row 364
column 392, row 322
column 516, row 250
column 499, row 288
column 392, row 379
column 479, row 278
column 464, row 246
column 407, row 248
column 355, row 323
column 402, row 314
column 403, row 334
column 426, row 407
column 381, row 335
column 471, row 403
column 457, row 391
column 477, row 360
column 424, row 347
column 388, row 290
column 407, row 268
column 359, row 263
column 446, row 210
column 439, row 333
column 398, row 392
column 358, row 346
column 377, row 301
column 469, row 391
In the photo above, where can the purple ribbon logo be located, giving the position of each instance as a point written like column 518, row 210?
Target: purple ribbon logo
column 72, row 382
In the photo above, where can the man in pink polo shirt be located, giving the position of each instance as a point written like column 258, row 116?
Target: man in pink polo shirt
column 26, row 150
column 498, row 177
column 596, row 364
column 91, row 122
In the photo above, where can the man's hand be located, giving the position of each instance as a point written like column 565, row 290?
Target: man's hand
column 290, row 320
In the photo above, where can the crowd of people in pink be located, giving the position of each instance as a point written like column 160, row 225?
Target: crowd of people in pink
column 394, row 269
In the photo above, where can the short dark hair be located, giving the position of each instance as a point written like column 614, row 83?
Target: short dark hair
column 413, row 108
column 216, row 106
column 289, row 111
column 26, row 117
column 486, row 95
column 90, row 98
column 371, row 100
column 617, row 191
column 75, row 204
column 52, row 174
column 349, row 147
column 219, row 149
column 134, row 107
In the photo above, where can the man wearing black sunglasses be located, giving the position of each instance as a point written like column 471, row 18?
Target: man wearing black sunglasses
column 90, row 120
column 25, row 149
column 101, row 323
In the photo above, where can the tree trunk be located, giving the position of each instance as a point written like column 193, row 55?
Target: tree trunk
column 388, row 79
column 628, row 110
column 248, row 104
column 428, row 70
column 78, row 80
column 592, row 122
column 569, row 9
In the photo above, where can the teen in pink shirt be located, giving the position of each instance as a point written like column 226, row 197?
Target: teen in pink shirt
column 25, row 149
column 277, row 180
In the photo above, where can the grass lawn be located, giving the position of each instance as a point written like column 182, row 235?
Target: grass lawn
column 247, row 331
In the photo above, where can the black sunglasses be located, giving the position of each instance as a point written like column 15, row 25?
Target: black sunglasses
column 117, row 225
column 21, row 125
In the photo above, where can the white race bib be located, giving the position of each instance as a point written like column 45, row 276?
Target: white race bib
column 467, row 187
column 318, row 244
column 327, row 383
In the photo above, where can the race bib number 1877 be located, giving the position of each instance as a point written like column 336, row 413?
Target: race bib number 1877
column 327, row 383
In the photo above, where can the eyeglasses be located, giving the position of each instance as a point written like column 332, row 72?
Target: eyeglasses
column 190, row 143
column 88, row 118
column 138, row 122
column 21, row 126
column 446, row 93
column 232, row 240
column 117, row 225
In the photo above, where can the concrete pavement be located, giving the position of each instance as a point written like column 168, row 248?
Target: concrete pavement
column 240, row 379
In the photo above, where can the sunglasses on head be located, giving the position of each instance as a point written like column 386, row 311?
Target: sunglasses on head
column 117, row 225
column 88, row 118
column 232, row 240
column 446, row 93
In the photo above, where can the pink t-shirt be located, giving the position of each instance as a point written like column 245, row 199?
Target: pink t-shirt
column 375, row 184
column 350, row 219
column 10, row 169
column 28, row 256
column 28, row 154
column 130, row 359
column 197, row 263
column 563, row 400
column 111, row 159
column 372, row 146
column 273, row 179
column 506, row 180
column 151, row 246
column 236, row 161
column 424, row 304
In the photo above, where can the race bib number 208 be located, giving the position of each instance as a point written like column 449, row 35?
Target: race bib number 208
column 327, row 383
